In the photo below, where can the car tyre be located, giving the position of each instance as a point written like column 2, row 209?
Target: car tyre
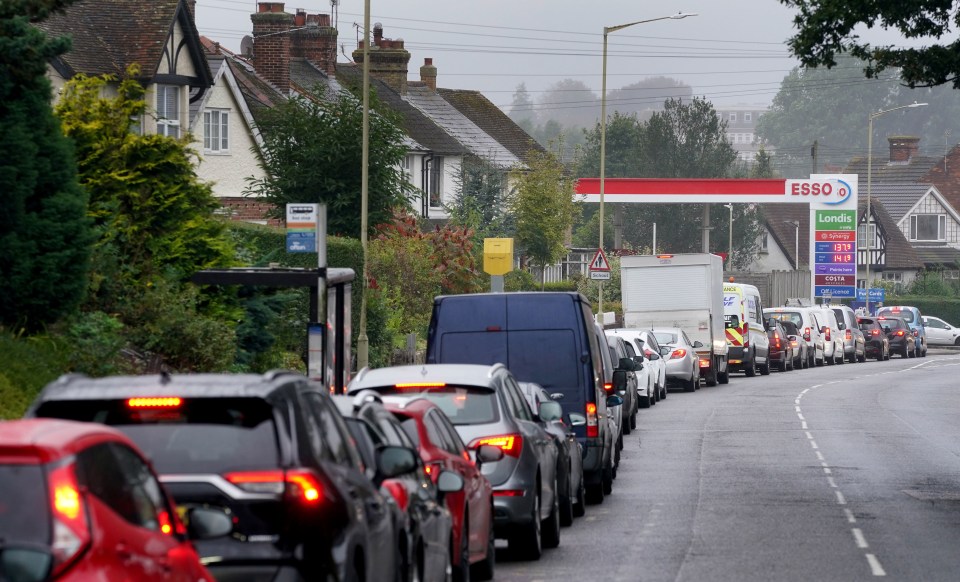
column 551, row 526
column 527, row 543
column 486, row 568
column 566, row 510
column 782, row 366
column 750, row 369
column 765, row 368
column 607, row 481
column 594, row 493
column 690, row 385
column 633, row 421
column 646, row 402
column 461, row 569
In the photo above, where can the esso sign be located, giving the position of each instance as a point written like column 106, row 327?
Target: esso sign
column 809, row 188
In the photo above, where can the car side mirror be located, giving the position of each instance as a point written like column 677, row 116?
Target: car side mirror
column 489, row 453
column 27, row 563
column 449, row 482
column 393, row 461
column 698, row 344
column 614, row 400
column 619, row 380
column 206, row 523
column 627, row 364
column 550, row 411
column 654, row 356
column 577, row 419
column 638, row 361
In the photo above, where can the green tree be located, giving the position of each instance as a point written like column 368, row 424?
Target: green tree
column 828, row 28
column 544, row 208
column 45, row 235
column 480, row 200
column 312, row 153
column 522, row 110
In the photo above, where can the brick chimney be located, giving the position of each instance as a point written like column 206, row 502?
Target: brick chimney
column 428, row 74
column 317, row 42
column 903, row 147
column 271, row 46
column 388, row 60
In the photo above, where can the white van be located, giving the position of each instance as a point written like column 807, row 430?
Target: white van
column 809, row 328
column 748, row 345
column 832, row 336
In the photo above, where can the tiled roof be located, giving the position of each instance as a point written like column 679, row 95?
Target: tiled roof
column 886, row 172
column 899, row 253
column 492, row 120
column 456, row 124
column 418, row 126
column 259, row 94
column 943, row 255
column 305, row 76
column 109, row 35
column 898, row 199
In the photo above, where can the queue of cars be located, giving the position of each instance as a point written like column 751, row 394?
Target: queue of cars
column 510, row 429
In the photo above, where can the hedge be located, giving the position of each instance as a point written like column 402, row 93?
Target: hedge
column 946, row 308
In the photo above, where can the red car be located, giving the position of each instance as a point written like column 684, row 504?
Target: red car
column 79, row 502
column 472, row 509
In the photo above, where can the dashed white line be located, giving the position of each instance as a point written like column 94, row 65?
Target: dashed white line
column 841, row 500
column 832, row 482
column 800, row 416
column 809, row 436
column 820, row 456
column 803, row 424
column 849, row 514
column 814, row 444
column 858, row 537
column 875, row 566
column 798, row 409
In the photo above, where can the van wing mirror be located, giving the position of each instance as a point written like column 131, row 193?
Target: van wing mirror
column 619, row 380
column 549, row 411
column 698, row 344
column 577, row 419
column 627, row 364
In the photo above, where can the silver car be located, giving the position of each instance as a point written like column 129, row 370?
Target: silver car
column 487, row 407
column 680, row 356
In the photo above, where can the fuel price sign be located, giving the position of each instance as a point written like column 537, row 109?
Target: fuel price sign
column 835, row 253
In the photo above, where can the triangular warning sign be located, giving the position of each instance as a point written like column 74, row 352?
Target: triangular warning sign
column 599, row 262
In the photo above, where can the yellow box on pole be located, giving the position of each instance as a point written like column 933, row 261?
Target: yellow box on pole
column 497, row 256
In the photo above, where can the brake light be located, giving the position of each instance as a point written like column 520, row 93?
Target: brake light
column 916, row 333
column 420, row 385
column 593, row 428
column 155, row 402
column 678, row 353
column 900, row 332
column 849, row 335
column 510, row 444
column 71, row 532
column 398, row 492
column 295, row 483
column 704, row 362
column 776, row 339
column 608, row 387
column 806, row 333
column 509, row 493
column 874, row 332
column 826, row 334
column 794, row 343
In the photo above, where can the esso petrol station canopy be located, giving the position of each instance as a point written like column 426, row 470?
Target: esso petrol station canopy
column 833, row 213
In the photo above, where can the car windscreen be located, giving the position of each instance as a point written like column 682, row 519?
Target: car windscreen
column 906, row 314
column 199, row 435
column 790, row 328
column 462, row 404
column 665, row 337
column 893, row 323
column 792, row 316
column 24, row 505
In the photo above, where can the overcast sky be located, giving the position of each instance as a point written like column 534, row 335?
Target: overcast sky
column 732, row 52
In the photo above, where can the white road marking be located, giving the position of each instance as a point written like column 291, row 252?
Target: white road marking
column 849, row 514
column 798, row 409
column 875, row 566
column 827, row 470
column 803, row 424
column 800, row 416
column 832, row 482
column 809, row 436
column 817, row 386
column 814, row 444
column 841, row 500
column 797, row 401
column 858, row 537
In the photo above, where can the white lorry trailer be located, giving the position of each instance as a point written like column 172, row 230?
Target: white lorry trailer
column 685, row 291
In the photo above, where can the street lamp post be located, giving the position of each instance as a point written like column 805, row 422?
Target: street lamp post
column 363, row 342
column 796, row 242
column 730, row 240
column 869, row 190
column 603, row 121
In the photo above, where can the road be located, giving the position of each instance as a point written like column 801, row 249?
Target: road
column 847, row 472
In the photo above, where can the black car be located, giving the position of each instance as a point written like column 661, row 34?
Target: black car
column 572, row 489
column 877, row 344
column 271, row 451
column 900, row 335
column 423, row 523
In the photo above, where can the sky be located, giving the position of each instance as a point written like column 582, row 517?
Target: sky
column 731, row 52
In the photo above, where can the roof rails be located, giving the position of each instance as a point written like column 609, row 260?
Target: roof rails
column 798, row 302
column 493, row 369
column 271, row 375
column 366, row 396
column 67, row 378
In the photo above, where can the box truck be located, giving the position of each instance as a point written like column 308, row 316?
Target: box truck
column 685, row 291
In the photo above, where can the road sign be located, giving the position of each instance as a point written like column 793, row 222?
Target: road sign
column 834, row 252
column 599, row 262
column 876, row 294
column 302, row 228
column 600, row 275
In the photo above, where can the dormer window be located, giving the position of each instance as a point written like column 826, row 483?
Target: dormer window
column 168, row 110
column 928, row 227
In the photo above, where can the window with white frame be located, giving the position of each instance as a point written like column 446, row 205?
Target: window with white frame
column 733, row 117
column 407, row 166
column 748, row 117
column 168, row 110
column 928, row 227
column 216, row 134
column 764, row 244
column 951, row 274
column 895, row 276
column 862, row 237
column 435, row 182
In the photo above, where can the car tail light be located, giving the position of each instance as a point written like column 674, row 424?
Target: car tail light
column 298, row 484
column 415, row 385
column 510, row 444
column 916, row 333
column 874, row 332
column 678, row 353
column 704, row 362
column 398, row 492
column 776, row 339
column 826, row 334
column 155, row 402
column 806, row 333
column 593, row 427
column 71, row 531
column 509, row 493
column 849, row 335
column 900, row 332
column 608, row 387
column 794, row 343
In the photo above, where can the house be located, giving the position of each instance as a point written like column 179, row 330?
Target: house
column 160, row 36
column 741, row 123
column 786, row 243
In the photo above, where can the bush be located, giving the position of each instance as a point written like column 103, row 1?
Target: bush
column 519, row 281
column 561, row 286
column 95, row 341
column 27, row 364
column 946, row 308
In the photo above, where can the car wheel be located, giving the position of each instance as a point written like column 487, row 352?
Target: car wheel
column 633, row 420
column 712, row 376
column 626, row 426
column 607, row 481
column 551, row 525
column 782, row 366
column 580, row 508
column 566, row 505
column 594, row 493
column 750, row 369
column 723, row 377
column 645, row 401
column 765, row 368
column 485, row 568
column 957, row 342
column 527, row 543
column 690, row 385
column 461, row 566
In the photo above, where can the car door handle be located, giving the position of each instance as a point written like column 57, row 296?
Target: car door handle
column 123, row 553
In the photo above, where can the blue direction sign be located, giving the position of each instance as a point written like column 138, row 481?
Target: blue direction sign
column 876, row 294
column 834, row 291
column 836, row 270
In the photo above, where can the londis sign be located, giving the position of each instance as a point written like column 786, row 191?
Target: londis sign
column 830, row 191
